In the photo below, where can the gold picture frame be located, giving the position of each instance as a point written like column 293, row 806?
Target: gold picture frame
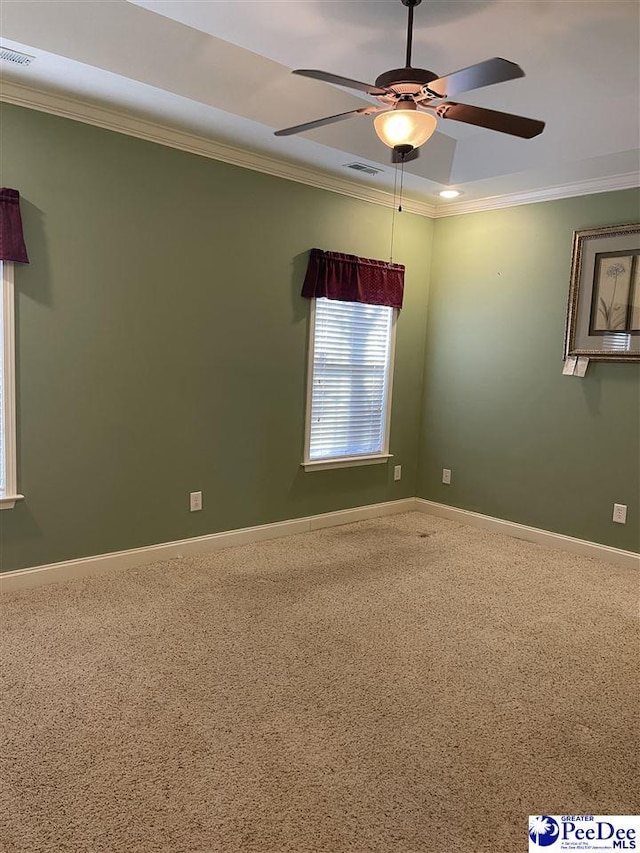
column 603, row 315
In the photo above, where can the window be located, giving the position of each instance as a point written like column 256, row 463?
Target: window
column 8, row 478
column 349, row 384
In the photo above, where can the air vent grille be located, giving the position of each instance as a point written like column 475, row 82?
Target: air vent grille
column 13, row 56
column 363, row 167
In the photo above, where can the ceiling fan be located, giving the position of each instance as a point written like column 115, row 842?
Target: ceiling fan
column 412, row 99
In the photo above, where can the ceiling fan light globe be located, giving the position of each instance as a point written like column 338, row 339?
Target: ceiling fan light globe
column 404, row 127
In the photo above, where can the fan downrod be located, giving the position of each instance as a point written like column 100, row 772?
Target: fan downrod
column 410, row 4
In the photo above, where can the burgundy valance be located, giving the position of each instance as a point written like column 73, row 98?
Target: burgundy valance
column 12, row 247
column 348, row 278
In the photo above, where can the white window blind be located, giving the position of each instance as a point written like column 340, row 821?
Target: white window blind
column 350, row 380
column 8, row 479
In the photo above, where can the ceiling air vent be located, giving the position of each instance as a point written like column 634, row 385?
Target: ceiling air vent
column 363, row 167
column 13, row 56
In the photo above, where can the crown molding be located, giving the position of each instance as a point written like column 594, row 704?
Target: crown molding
column 625, row 181
column 120, row 122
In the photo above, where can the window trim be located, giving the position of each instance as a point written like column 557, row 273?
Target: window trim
column 10, row 495
column 346, row 461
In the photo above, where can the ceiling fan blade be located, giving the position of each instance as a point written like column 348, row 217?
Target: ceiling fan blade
column 341, row 81
column 526, row 128
column 396, row 157
column 320, row 122
column 485, row 73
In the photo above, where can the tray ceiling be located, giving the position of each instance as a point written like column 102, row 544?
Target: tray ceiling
column 221, row 70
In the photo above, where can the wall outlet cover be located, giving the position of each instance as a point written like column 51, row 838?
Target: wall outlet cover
column 446, row 476
column 620, row 513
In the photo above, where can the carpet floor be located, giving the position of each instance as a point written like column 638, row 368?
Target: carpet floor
column 401, row 685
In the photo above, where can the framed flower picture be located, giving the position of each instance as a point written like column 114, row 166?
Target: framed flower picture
column 603, row 316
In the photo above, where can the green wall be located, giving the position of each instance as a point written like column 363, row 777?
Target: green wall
column 161, row 342
column 162, row 349
column 524, row 442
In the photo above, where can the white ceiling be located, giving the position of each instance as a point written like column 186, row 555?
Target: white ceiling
column 221, row 70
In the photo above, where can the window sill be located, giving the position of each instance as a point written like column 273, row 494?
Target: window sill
column 346, row 462
column 9, row 501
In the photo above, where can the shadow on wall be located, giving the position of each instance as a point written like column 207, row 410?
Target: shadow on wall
column 33, row 279
column 299, row 304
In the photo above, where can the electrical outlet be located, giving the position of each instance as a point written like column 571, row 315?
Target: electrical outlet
column 620, row 513
column 446, row 476
column 397, row 472
column 195, row 501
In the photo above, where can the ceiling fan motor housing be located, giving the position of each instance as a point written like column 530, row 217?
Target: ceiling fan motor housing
column 405, row 80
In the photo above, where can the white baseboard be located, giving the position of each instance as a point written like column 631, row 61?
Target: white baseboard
column 85, row 566
column 616, row 556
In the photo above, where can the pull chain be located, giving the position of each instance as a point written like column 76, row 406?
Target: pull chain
column 393, row 215
column 397, row 202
